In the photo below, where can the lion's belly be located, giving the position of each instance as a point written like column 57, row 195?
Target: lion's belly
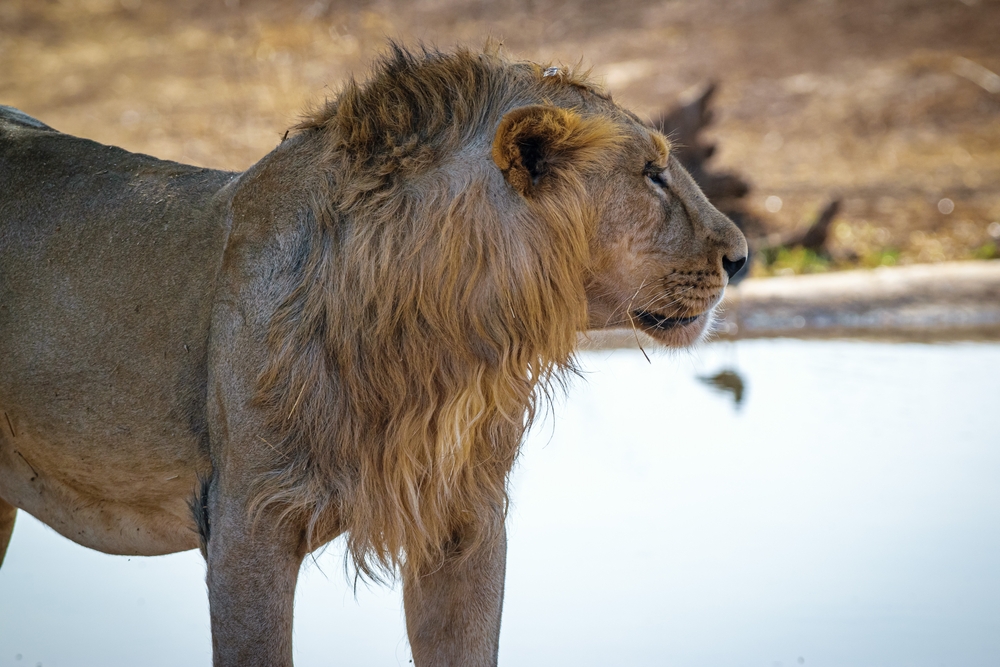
column 102, row 439
column 115, row 497
column 102, row 436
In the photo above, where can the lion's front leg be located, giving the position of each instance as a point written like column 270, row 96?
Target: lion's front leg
column 453, row 611
column 252, row 571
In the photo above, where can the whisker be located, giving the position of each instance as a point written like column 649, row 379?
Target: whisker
column 674, row 299
column 615, row 311
column 635, row 332
column 631, row 320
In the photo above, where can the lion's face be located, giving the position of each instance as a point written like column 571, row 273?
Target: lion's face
column 661, row 254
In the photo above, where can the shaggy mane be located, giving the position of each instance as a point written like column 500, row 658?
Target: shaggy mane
column 431, row 308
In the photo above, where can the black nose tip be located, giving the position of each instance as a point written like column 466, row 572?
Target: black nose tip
column 733, row 266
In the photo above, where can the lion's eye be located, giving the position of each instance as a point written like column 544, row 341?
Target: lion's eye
column 657, row 174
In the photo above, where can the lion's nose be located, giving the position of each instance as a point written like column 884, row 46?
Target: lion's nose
column 733, row 266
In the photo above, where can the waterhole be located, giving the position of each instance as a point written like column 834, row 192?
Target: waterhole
column 769, row 502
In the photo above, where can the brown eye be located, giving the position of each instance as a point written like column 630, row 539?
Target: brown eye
column 654, row 173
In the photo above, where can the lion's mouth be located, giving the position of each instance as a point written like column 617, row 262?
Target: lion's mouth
column 662, row 322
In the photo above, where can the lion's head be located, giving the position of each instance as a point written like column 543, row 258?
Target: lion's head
column 659, row 254
column 466, row 218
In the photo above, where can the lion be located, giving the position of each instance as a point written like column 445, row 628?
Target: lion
column 350, row 337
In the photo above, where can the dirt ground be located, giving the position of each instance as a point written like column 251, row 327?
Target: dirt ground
column 891, row 105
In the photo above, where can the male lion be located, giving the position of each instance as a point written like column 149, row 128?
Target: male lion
column 349, row 337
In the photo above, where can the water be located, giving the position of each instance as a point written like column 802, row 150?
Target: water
column 846, row 512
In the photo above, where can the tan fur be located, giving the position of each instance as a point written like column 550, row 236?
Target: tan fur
column 393, row 290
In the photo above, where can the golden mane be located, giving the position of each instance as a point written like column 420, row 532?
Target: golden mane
column 432, row 306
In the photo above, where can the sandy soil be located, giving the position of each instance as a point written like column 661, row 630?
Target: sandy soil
column 893, row 105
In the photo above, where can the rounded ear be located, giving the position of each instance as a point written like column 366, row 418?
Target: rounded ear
column 534, row 142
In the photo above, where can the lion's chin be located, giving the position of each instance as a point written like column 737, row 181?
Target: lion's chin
column 673, row 331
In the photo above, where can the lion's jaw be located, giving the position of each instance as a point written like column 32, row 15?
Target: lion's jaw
column 676, row 331
column 668, row 326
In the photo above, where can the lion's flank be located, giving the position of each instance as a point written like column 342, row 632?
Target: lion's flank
column 433, row 305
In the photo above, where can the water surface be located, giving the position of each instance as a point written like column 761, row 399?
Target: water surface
column 846, row 512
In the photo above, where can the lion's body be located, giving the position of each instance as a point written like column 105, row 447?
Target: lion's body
column 348, row 337
column 107, row 266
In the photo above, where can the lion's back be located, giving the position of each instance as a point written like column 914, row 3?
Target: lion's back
column 90, row 234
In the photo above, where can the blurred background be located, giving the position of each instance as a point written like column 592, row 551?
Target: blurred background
column 770, row 502
column 890, row 106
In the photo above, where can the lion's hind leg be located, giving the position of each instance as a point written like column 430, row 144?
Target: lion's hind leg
column 7, row 515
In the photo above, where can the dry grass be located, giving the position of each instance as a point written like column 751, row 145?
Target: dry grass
column 873, row 101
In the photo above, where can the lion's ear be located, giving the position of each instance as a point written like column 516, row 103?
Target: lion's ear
column 534, row 142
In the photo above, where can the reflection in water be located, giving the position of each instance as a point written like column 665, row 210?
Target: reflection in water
column 728, row 382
